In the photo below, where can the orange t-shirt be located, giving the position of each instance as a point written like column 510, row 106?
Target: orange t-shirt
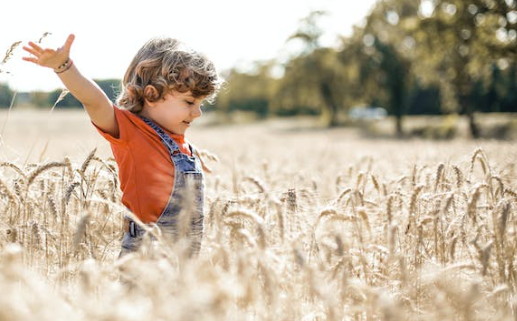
column 146, row 171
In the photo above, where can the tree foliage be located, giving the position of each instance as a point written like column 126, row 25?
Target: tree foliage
column 409, row 56
column 110, row 86
column 248, row 91
column 458, row 43
column 6, row 96
column 315, row 77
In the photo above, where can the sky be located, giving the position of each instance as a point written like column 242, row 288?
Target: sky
column 109, row 33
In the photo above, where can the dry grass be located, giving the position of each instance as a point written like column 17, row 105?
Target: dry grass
column 314, row 225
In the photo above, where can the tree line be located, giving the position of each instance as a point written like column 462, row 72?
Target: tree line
column 44, row 99
column 409, row 56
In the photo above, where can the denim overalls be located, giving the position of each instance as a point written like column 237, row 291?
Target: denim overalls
column 183, row 215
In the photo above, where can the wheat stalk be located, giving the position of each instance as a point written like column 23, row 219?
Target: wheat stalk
column 257, row 182
column 459, row 176
column 43, row 36
column 40, row 169
column 17, row 169
column 62, row 96
column 9, row 52
column 8, row 191
column 439, row 175
column 80, row 232
column 87, row 162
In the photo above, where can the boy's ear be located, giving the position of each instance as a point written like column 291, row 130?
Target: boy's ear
column 151, row 94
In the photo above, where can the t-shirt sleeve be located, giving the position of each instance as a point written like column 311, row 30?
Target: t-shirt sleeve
column 123, row 123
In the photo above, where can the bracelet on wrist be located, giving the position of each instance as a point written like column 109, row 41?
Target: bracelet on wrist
column 64, row 66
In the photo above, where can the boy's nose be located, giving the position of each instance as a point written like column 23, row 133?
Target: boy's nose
column 196, row 112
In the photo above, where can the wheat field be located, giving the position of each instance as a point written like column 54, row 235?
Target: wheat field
column 300, row 224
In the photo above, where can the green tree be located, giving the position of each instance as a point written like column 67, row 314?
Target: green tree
column 509, row 91
column 248, row 91
column 501, row 90
column 381, row 51
column 6, row 95
column 396, row 70
column 423, row 100
column 315, row 83
column 112, row 87
column 314, row 78
column 457, row 42
column 40, row 99
column 384, row 76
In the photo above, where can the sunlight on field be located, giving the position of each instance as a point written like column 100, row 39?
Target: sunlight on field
column 300, row 224
column 36, row 135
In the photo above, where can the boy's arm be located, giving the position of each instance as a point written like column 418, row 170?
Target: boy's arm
column 97, row 104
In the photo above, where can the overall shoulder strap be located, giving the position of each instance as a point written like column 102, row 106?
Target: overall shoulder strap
column 166, row 139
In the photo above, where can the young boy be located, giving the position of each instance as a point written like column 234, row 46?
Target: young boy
column 160, row 173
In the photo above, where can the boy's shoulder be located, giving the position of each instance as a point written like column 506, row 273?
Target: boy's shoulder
column 124, row 115
column 123, row 111
column 127, row 122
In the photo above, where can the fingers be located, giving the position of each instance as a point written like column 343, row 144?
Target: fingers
column 30, row 59
column 32, row 51
column 47, row 56
column 68, row 42
column 35, row 46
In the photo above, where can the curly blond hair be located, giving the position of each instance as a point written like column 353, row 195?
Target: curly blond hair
column 166, row 64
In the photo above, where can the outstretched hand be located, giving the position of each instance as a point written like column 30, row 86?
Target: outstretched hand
column 46, row 57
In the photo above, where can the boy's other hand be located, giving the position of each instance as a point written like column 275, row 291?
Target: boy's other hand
column 46, row 57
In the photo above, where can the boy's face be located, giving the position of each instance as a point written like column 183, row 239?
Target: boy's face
column 175, row 112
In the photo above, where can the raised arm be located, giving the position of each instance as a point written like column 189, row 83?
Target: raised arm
column 97, row 104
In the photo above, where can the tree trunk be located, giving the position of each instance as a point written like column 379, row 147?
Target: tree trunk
column 398, row 126
column 473, row 126
column 469, row 112
column 330, row 112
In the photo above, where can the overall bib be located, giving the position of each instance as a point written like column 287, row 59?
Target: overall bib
column 183, row 215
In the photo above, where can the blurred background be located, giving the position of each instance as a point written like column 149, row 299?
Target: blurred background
column 435, row 69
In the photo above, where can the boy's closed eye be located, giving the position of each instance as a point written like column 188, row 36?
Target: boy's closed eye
column 192, row 103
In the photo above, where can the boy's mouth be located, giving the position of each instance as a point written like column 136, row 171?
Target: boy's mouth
column 187, row 122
